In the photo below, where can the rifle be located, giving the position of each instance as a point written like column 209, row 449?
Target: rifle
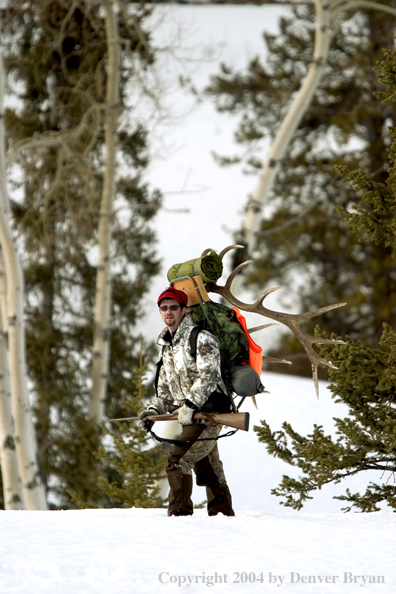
column 236, row 420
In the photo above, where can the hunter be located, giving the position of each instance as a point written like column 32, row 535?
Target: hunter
column 190, row 384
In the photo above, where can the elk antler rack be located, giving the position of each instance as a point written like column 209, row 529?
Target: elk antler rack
column 292, row 321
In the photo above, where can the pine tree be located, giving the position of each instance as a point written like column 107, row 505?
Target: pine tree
column 56, row 64
column 364, row 377
column 303, row 245
column 134, row 466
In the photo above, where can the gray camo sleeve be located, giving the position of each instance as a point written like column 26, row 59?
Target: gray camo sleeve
column 163, row 402
column 209, row 369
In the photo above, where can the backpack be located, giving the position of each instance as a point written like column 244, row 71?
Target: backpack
column 241, row 358
column 222, row 321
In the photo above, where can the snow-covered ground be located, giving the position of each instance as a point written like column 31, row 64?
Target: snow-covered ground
column 263, row 548
column 136, row 551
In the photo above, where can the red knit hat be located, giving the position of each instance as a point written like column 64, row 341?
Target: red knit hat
column 171, row 293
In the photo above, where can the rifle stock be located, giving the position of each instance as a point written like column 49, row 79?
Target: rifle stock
column 235, row 420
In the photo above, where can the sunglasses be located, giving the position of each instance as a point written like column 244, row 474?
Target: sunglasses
column 171, row 307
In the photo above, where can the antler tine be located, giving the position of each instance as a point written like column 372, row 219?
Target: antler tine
column 316, row 361
column 223, row 252
column 206, row 252
column 306, row 340
column 262, row 296
column 227, row 249
column 316, row 312
column 257, row 328
column 315, row 377
column 234, row 273
column 275, row 360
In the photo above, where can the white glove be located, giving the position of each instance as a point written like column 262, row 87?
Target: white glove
column 185, row 415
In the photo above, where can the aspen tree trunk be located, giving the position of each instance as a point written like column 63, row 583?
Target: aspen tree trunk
column 8, row 460
column 24, row 436
column 12, row 488
column 325, row 10
column 101, row 347
column 289, row 125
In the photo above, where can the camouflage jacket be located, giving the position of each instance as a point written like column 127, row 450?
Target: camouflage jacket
column 181, row 376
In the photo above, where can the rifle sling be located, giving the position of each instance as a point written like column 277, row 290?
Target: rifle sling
column 185, row 442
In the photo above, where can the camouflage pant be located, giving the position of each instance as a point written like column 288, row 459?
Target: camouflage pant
column 202, row 457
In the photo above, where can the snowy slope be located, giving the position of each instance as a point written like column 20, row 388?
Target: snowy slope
column 137, row 551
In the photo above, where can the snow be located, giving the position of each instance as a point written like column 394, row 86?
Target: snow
column 127, row 551
column 265, row 547
column 137, row 551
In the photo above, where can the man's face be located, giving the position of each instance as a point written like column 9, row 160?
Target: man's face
column 171, row 317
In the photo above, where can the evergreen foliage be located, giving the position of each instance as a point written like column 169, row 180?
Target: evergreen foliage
column 303, row 245
column 374, row 218
column 365, row 440
column 57, row 71
column 137, row 467
column 364, row 378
